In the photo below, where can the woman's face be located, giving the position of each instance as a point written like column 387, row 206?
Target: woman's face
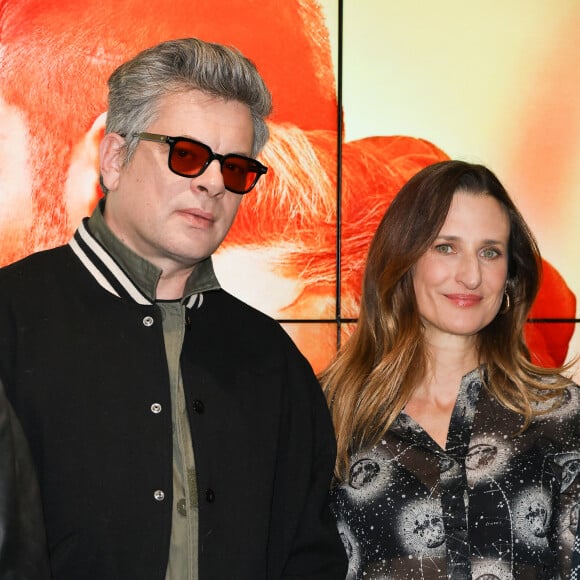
column 459, row 281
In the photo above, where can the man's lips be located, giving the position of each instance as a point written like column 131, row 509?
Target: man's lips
column 198, row 217
column 464, row 299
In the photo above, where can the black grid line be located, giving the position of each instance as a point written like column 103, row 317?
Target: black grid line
column 338, row 319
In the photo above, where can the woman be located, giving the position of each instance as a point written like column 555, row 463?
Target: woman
column 457, row 457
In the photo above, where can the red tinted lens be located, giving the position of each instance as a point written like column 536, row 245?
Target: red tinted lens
column 239, row 173
column 188, row 158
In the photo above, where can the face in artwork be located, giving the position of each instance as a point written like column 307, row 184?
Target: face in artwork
column 17, row 214
column 172, row 221
column 460, row 280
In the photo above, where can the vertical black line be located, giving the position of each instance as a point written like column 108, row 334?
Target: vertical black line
column 339, row 132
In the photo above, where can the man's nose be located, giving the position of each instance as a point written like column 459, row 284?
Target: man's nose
column 211, row 181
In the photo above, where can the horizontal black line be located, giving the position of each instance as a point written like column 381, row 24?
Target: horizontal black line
column 317, row 320
column 560, row 320
column 353, row 320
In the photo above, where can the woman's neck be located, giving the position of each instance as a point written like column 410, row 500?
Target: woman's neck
column 447, row 363
column 433, row 399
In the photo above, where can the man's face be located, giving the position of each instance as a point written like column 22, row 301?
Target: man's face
column 172, row 221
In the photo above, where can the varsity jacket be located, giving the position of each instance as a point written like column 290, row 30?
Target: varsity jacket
column 82, row 359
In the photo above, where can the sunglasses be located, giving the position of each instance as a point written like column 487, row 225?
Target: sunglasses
column 190, row 158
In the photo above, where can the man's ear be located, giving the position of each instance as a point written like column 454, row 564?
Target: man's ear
column 111, row 152
column 82, row 189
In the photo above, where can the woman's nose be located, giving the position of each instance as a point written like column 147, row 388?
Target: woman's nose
column 469, row 271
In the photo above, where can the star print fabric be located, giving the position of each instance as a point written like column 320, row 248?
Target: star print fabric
column 575, row 575
column 494, row 504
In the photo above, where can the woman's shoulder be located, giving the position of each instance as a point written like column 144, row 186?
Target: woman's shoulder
column 557, row 419
column 566, row 400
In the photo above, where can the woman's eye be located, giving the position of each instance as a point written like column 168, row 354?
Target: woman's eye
column 443, row 248
column 490, row 253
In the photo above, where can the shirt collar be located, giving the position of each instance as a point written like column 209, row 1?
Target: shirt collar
column 408, row 429
column 144, row 275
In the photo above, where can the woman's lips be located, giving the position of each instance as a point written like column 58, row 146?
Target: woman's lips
column 464, row 300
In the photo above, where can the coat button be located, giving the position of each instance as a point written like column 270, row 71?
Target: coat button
column 148, row 321
column 209, row 495
column 198, row 407
column 159, row 495
column 156, row 408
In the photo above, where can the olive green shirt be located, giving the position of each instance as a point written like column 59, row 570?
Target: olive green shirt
column 183, row 549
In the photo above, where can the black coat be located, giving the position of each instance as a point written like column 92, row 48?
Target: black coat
column 22, row 538
column 83, row 368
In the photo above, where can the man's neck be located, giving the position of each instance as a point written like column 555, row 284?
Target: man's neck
column 171, row 285
column 157, row 277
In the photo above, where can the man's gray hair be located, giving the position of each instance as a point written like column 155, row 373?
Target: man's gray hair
column 137, row 86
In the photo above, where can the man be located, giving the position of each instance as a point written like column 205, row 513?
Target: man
column 177, row 432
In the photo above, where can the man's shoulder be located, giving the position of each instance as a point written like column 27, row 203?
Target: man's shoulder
column 38, row 262
column 222, row 303
column 248, row 329
column 31, row 288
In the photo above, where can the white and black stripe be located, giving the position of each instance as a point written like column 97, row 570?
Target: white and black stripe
column 107, row 271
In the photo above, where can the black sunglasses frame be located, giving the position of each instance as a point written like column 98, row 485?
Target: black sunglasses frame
column 255, row 165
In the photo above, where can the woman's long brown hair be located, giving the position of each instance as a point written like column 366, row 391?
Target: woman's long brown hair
column 373, row 376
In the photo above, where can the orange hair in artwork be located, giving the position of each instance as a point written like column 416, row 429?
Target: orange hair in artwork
column 296, row 211
column 56, row 58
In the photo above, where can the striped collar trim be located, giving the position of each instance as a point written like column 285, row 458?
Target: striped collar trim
column 108, row 273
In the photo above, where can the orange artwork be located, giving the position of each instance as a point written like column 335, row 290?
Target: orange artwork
column 281, row 254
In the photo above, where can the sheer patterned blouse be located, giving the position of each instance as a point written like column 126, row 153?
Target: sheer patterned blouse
column 575, row 575
column 492, row 505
